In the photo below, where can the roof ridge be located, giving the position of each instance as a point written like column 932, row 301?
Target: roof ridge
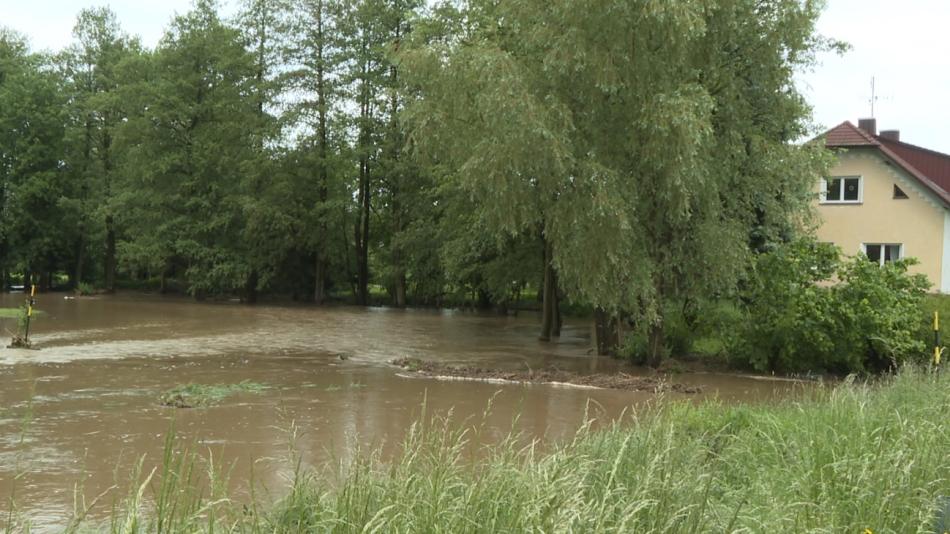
column 847, row 134
column 861, row 132
column 885, row 140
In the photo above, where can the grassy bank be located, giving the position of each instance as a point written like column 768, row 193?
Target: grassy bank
column 859, row 456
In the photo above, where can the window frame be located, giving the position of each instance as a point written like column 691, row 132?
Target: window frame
column 901, row 253
column 824, row 190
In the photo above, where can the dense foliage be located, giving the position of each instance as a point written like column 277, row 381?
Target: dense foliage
column 807, row 309
column 617, row 157
column 647, row 143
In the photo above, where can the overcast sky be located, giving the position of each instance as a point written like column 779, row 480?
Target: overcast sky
column 904, row 45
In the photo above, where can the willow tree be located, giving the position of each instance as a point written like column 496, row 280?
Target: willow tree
column 644, row 140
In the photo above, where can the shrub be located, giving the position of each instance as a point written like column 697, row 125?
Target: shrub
column 690, row 327
column 806, row 309
column 880, row 308
column 635, row 347
column 84, row 289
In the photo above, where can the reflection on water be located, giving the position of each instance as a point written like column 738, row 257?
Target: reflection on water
column 79, row 412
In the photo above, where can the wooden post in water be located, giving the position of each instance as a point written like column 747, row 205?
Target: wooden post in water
column 29, row 313
column 24, row 342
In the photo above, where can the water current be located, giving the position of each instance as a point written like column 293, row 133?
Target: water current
column 77, row 414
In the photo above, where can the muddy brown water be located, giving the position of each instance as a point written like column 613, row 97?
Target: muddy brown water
column 76, row 415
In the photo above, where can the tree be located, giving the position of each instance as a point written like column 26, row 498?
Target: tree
column 400, row 176
column 364, row 41
column 318, row 59
column 91, row 69
column 33, row 216
column 265, row 25
column 188, row 151
column 613, row 132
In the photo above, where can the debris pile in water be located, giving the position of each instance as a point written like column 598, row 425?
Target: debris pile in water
column 545, row 376
column 204, row 395
column 19, row 342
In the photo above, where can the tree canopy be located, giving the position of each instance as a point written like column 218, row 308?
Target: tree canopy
column 618, row 155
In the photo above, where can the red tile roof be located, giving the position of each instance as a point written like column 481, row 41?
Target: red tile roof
column 933, row 165
column 847, row 134
column 930, row 168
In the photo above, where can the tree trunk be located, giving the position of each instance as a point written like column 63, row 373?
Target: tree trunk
column 80, row 259
column 395, row 176
column 365, row 201
column 656, row 344
column 320, row 268
column 549, row 295
column 163, row 281
column 400, row 290
column 250, row 287
column 399, row 272
column 320, row 279
column 362, row 245
column 606, row 338
column 110, row 255
column 347, row 255
column 656, row 340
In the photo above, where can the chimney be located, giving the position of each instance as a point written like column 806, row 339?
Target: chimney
column 868, row 125
column 893, row 135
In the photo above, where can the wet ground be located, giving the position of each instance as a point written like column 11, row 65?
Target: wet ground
column 77, row 414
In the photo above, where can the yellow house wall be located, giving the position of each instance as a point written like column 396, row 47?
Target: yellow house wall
column 917, row 222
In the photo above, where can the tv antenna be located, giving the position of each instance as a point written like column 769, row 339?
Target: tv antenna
column 874, row 97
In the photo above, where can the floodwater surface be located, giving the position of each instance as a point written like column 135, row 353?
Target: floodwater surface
column 77, row 414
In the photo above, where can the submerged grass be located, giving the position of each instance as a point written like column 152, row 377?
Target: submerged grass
column 203, row 395
column 15, row 313
column 859, row 456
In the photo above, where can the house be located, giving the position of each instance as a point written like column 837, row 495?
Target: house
column 888, row 199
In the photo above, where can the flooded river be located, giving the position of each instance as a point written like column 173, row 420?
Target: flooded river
column 76, row 415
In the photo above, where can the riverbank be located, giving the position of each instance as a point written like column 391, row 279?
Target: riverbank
column 547, row 376
column 859, row 456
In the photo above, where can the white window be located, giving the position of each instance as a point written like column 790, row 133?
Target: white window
column 882, row 253
column 843, row 190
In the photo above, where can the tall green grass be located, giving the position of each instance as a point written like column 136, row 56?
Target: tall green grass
column 845, row 459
